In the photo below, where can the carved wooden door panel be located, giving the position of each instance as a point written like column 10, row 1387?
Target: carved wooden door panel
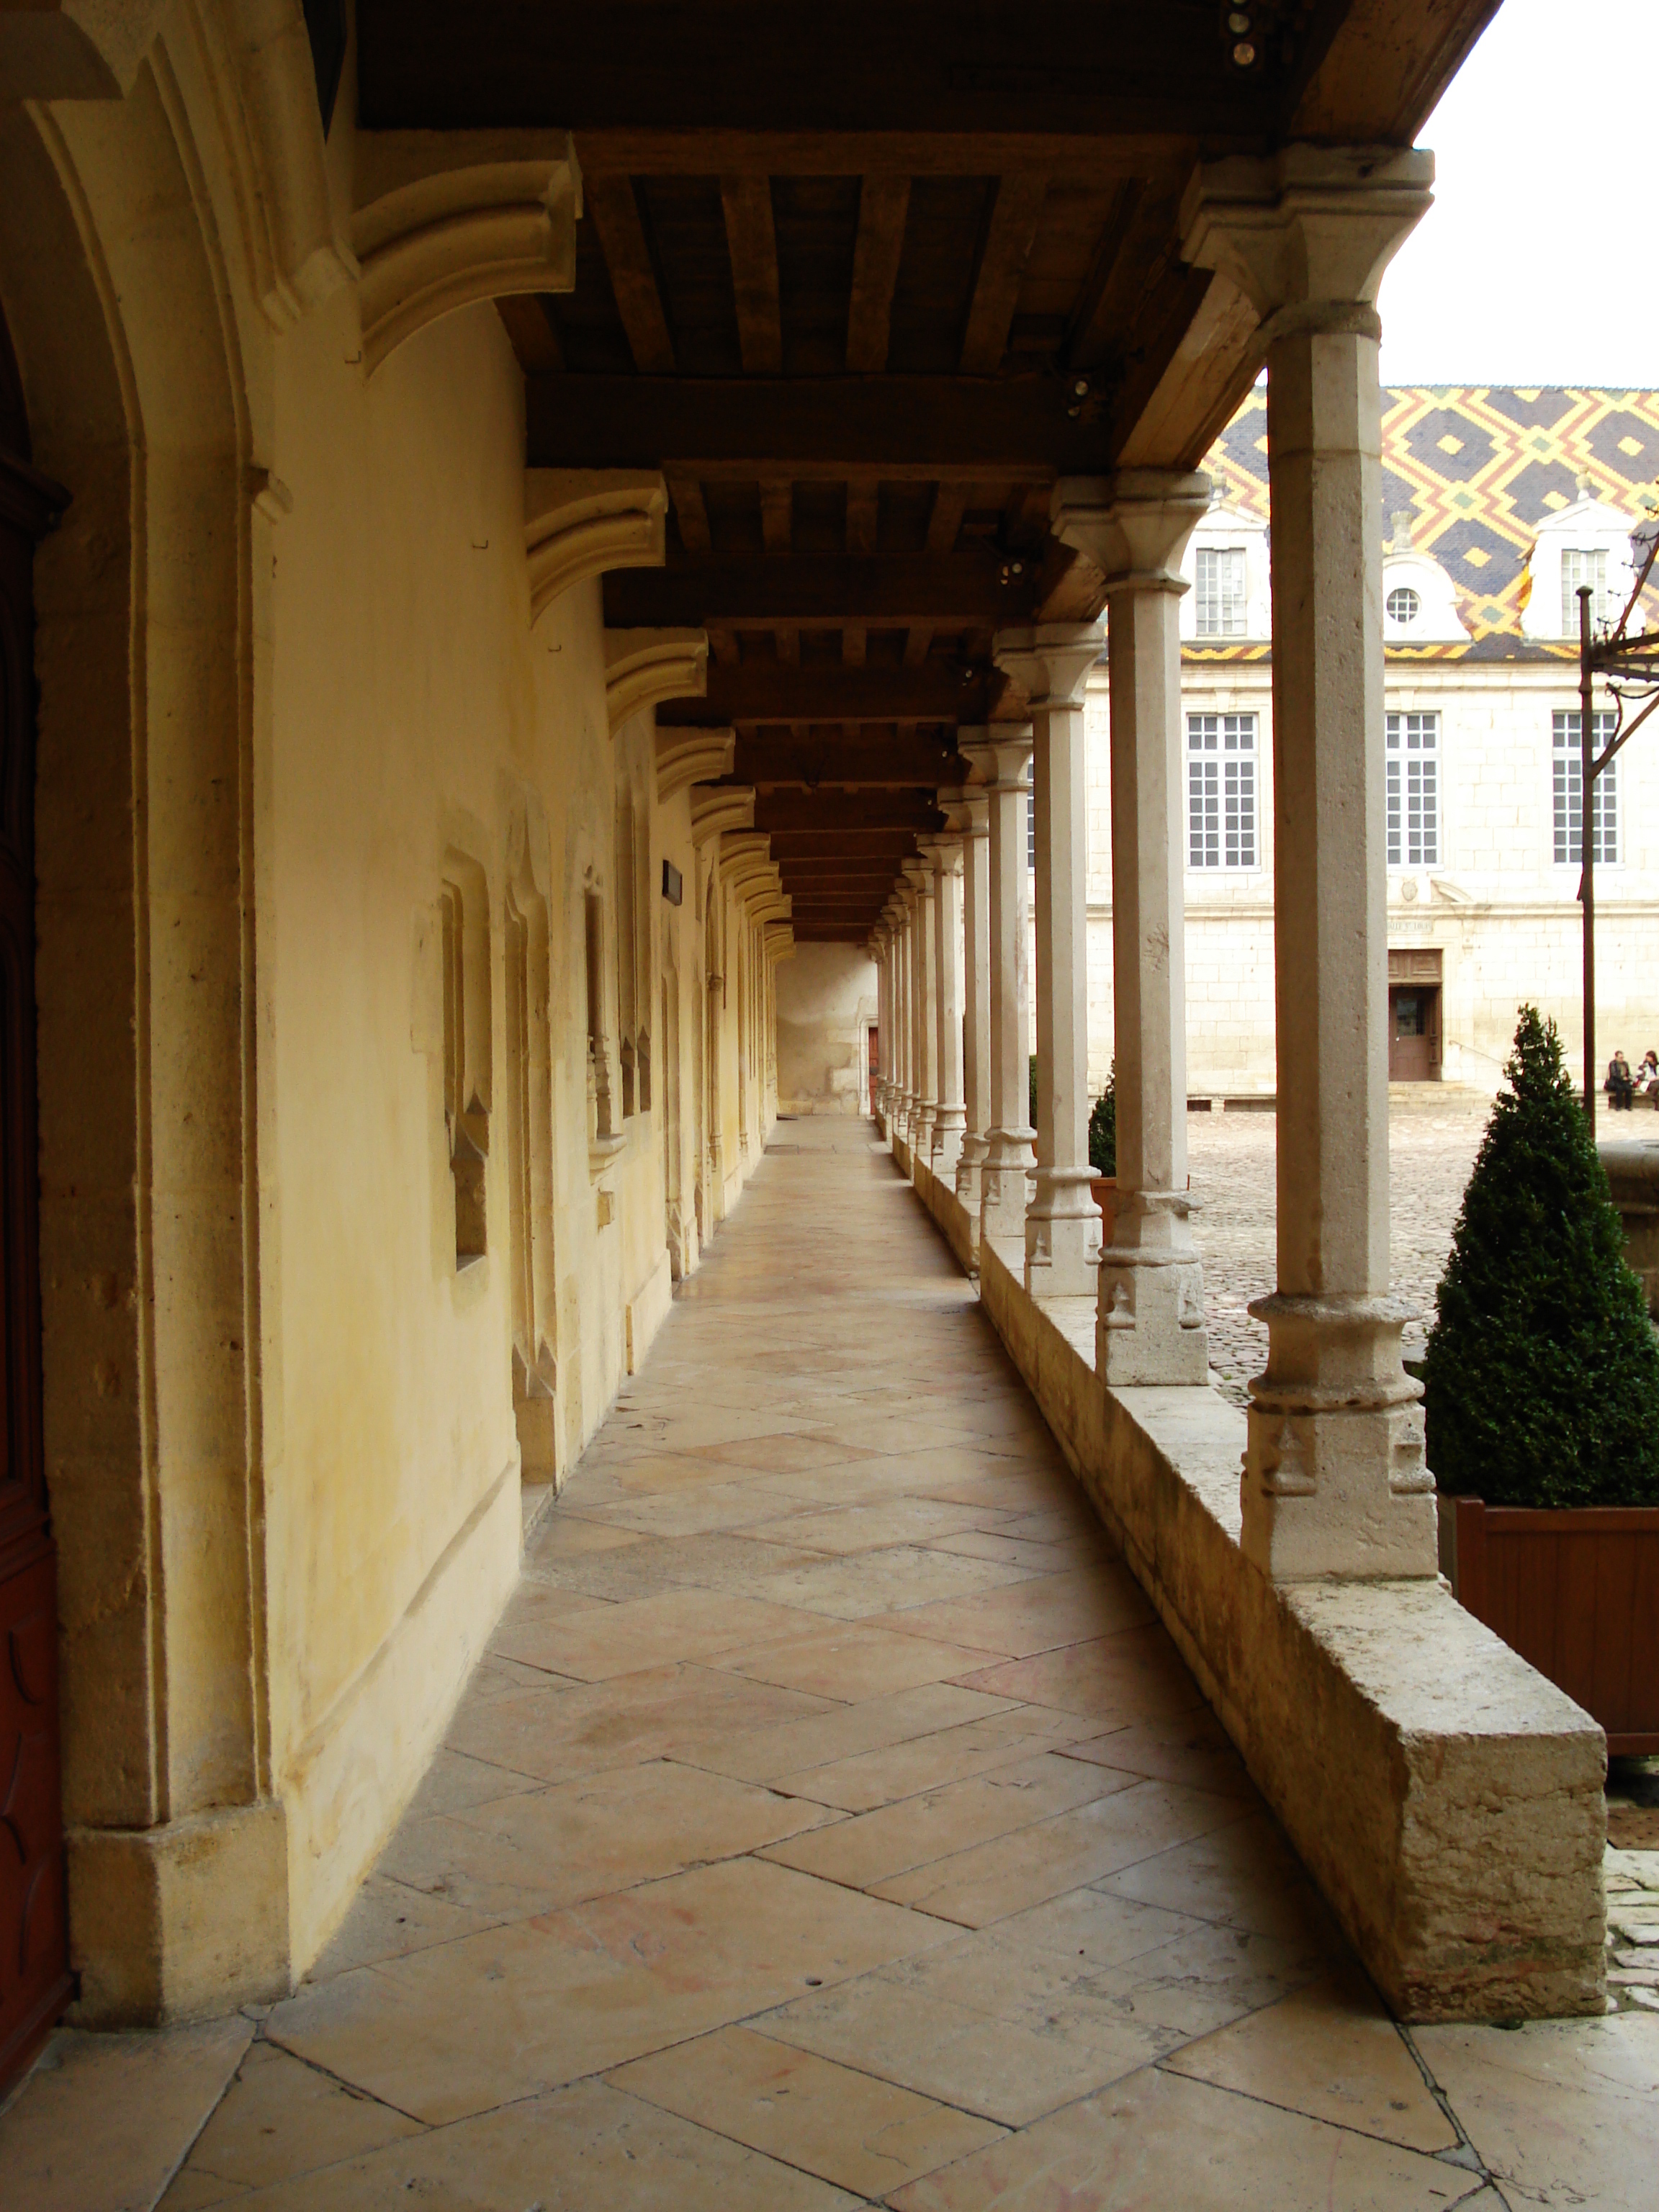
column 34, row 1979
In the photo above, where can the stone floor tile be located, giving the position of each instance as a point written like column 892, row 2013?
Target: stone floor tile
column 104, row 2121
column 1194, row 1749
column 870, row 1778
column 1089, row 1924
column 453, row 1781
column 687, row 1512
column 387, row 1919
column 1210, row 1976
column 1134, row 1674
column 588, row 2148
column 1330, row 2051
column 1008, row 2071
column 1157, row 2140
column 866, row 1527
column 988, row 1541
column 614, row 1830
column 665, row 1471
column 1564, row 2112
column 279, row 2118
column 660, row 1710
column 801, row 1452
column 884, row 1582
column 851, row 1660
column 695, row 1421
column 1042, row 1614
column 473, row 2024
column 1034, row 1864
column 798, row 1747
column 605, row 1640
column 848, row 2127
column 565, row 1534
column 876, row 1846
column 1241, row 1875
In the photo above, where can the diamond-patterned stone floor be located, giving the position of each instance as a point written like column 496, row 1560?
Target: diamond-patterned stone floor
column 833, row 1823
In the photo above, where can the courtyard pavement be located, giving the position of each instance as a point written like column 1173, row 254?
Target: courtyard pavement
column 832, row 1823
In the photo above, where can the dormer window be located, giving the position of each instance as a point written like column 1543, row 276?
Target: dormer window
column 1222, row 601
column 1588, row 566
column 1403, row 605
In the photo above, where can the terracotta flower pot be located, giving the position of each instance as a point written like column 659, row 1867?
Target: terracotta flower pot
column 1105, row 1191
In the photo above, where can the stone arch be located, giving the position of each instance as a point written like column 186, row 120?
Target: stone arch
column 117, row 296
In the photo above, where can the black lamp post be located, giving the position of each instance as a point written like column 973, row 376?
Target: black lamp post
column 1629, row 665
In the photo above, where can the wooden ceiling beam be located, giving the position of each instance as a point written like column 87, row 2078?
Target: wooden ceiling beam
column 863, row 515
column 615, row 211
column 1010, row 234
column 1084, row 157
column 751, row 238
column 765, row 691
column 817, row 813
column 913, row 429
column 777, row 513
column 884, row 209
column 824, row 592
column 863, row 763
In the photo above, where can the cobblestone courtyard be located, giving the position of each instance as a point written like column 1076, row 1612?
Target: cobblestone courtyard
column 1431, row 1150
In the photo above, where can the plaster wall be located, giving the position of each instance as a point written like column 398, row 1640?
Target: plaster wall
column 290, row 692
column 826, row 1007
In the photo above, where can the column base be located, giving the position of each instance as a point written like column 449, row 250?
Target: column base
column 1336, row 1482
column 970, row 1178
column 1005, row 1185
column 174, row 1922
column 1062, row 1236
column 1150, row 1329
column 949, row 1131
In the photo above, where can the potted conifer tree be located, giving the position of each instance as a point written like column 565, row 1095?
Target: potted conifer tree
column 1541, row 1383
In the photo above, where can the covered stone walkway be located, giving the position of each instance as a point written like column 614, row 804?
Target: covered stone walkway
column 833, row 1823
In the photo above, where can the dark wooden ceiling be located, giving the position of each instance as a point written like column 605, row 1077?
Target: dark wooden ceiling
column 864, row 281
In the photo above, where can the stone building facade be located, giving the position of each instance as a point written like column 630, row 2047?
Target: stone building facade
column 1499, row 502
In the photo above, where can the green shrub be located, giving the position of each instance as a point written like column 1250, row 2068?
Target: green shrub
column 1103, row 1129
column 1543, row 1369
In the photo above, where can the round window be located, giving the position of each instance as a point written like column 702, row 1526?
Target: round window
column 1403, row 605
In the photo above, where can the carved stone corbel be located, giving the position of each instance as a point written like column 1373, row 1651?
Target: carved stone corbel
column 715, row 813
column 685, row 756
column 445, row 218
column 643, row 667
column 580, row 522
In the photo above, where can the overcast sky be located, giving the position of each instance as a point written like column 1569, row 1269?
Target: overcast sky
column 1535, row 264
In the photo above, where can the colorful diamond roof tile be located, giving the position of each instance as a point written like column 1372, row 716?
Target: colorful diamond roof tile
column 1477, row 467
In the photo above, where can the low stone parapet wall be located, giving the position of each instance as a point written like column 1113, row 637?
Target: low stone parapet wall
column 949, row 1216
column 1446, row 1798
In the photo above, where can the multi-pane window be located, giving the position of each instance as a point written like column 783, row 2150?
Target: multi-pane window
column 1578, row 569
column 1414, row 791
column 1221, row 791
column 1221, row 604
column 1570, row 791
column 1403, row 605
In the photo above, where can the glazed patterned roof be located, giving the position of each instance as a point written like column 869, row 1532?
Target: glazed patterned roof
column 1477, row 467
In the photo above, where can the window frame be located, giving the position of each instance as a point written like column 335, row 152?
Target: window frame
column 1227, row 596
column 1236, row 734
column 1567, row 768
column 1398, row 828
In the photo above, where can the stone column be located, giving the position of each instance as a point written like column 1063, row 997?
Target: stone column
column 903, row 1054
column 1004, row 1189
column 878, row 1088
column 1050, row 664
column 945, row 855
column 925, row 1028
column 1334, row 1479
column 1135, row 528
column 972, row 811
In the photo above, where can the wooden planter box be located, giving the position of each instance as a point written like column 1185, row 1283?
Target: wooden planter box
column 1105, row 1190
column 1575, row 1591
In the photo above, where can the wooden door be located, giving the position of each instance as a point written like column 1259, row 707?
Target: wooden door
column 35, row 1977
column 1410, row 1050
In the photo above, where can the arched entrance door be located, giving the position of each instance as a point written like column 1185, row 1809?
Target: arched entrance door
column 34, row 1979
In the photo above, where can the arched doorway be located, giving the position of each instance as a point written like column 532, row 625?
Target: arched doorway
column 34, row 1976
